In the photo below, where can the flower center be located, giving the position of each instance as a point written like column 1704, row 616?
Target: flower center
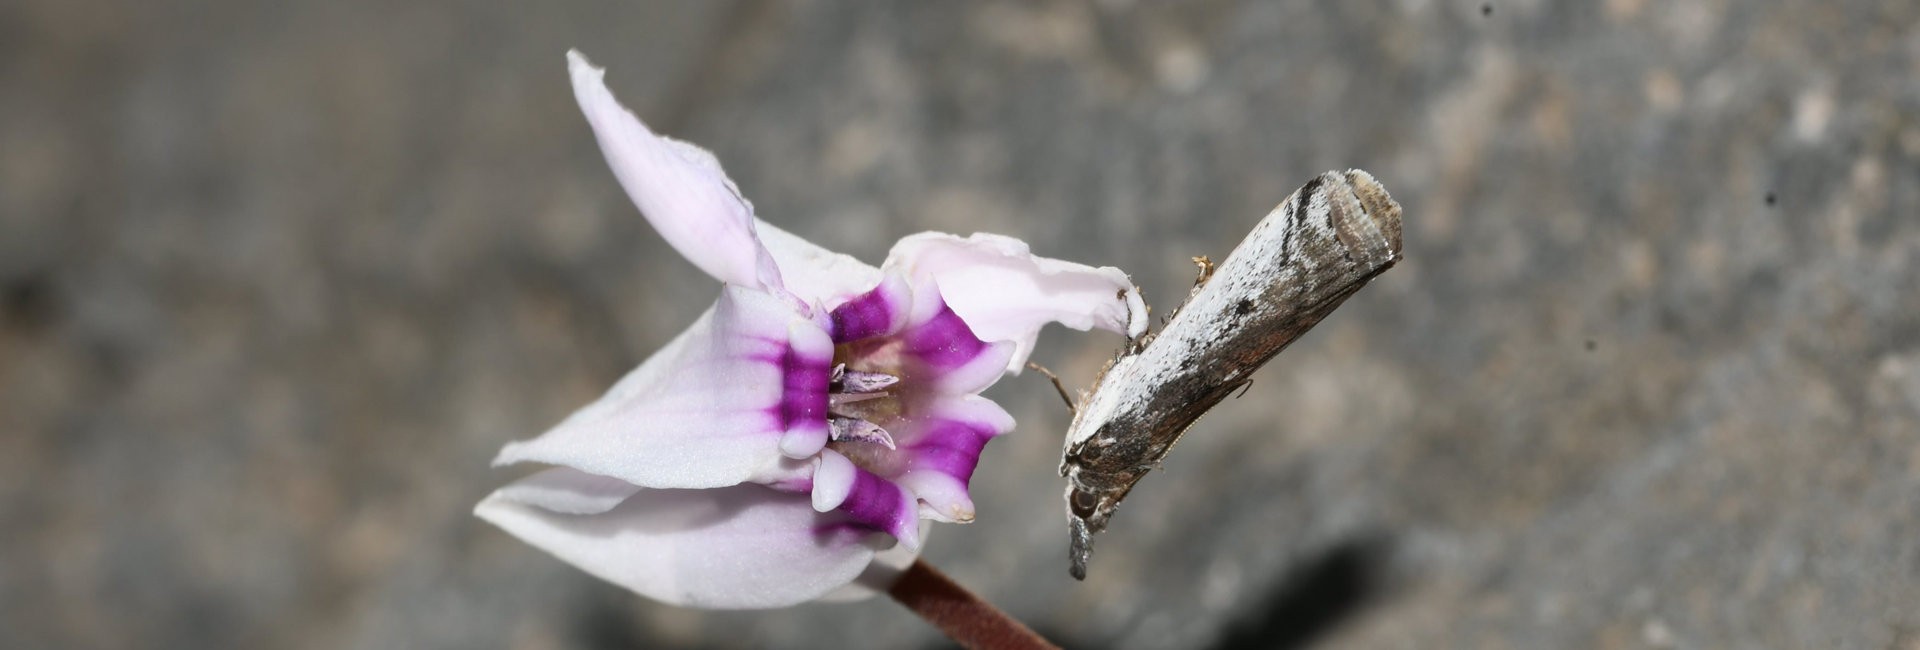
column 846, row 416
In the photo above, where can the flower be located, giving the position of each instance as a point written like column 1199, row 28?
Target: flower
column 776, row 451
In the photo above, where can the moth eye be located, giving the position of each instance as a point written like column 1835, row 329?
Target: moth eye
column 1083, row 503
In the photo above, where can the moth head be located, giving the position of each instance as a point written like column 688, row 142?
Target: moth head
column 1088, row 510
column 1085, row 505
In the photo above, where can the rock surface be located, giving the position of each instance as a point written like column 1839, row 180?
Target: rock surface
column 277, row 279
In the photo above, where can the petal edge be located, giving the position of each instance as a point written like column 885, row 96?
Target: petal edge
column 1006, row 293
column 704, row 411
column 679, row 188
column 741, row 547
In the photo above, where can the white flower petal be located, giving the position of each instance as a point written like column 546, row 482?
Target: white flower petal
column 813, row 273
column 806, row 367
column 1005, row 293
column 740, row 547
column 881, row 311
column 940, row 446
column 569, row 491
column 832, row 480
column 880, row 575
column 679, row 187
column 707, row 410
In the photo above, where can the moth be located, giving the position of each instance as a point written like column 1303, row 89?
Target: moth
column 1305, row 258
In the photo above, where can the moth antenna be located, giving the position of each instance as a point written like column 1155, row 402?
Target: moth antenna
column 1056, row 385
column 1244, row 388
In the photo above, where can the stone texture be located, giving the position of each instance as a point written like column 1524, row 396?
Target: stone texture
column 279, row 278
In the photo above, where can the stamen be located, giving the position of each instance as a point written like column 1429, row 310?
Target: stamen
column 867, row 382
column 858, row 430
column 854, row 381
column 836, row 399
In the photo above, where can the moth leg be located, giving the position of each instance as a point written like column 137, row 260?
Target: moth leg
column 1056, row 385
column 1206, row 269
column 1244, row 388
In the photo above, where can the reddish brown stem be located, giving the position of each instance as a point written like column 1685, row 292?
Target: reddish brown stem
column 964, row 617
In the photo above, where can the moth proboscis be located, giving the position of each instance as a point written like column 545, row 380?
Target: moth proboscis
column 1305, row 258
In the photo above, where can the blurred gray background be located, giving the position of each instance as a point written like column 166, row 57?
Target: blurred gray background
column 278, row 278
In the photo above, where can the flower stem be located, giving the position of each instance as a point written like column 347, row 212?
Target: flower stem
column 964, row 617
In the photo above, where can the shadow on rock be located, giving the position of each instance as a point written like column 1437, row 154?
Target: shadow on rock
column 1325, row 591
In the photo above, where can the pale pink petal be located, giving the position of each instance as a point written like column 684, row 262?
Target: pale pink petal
column 832, row 480
column 740, row 547
column 807, row 367
column 881, row 311
column 934, row 347
column 944, row 354
column 708, row 410
column 942, row 424
column 1005, row 293
column 941, row 449
column 939, row 440
column 815, row 274
column 880, row 575
column 840, row 485
column 880, row 504
column 679, row 187
column 569, row 491
column 789, row 475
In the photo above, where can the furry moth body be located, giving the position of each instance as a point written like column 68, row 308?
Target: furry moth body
column 1306, row 257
